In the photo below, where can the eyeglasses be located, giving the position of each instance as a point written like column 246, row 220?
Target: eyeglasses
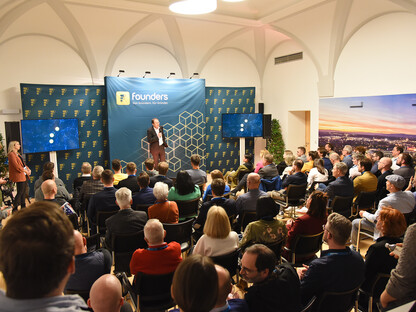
column 325, row 229
column 247, row 270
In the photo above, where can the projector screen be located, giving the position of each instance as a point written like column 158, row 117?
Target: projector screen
column 47, row 135
column 242, row 125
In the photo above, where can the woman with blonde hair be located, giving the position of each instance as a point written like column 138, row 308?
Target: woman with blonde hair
column 218, row 239
column 260, row 165
column 18, row 173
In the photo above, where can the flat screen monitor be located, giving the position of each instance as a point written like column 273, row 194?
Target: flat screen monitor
column 48, row 135
column 242, row 125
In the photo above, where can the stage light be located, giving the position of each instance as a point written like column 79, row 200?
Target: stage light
column 193, row 75
column 120, row 71
column 192, row 6
column 170, row 74
column 146, row 73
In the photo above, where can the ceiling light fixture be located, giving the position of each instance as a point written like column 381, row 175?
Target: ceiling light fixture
column 193, row 6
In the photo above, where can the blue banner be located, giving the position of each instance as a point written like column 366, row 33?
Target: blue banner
column 177, row 103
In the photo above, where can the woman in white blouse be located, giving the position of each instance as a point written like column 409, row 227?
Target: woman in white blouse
column 218, row 239
column 318, row 173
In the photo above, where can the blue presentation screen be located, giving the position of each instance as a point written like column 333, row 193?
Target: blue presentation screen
column 242, row 125
column 47, row 135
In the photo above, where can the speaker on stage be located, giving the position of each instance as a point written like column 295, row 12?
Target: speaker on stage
column 261, row 108
column 267, row 126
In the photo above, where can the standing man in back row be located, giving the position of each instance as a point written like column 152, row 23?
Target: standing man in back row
column 157, row 141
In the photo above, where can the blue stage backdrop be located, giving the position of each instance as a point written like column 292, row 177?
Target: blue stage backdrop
column 177, row 103
column 85, row 103
column 223, row 153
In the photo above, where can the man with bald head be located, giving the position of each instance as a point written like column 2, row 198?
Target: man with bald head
column 49, row 190
column 106, row 294
column 61, row 194
column 89, row 266
column 384, row 166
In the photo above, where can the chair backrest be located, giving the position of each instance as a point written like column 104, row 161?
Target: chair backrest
column 101, row 217
column 123, row 246
column 246, row 218
column 179, row 232
column 228, row 261
column 142, row 207
column 201, row 188
column 153, row 291
column 267, row 185
column 365, row 200
column 342, row 205
column 337, row 301
column 379, row 285
column 296, row 192
column 242, row 173
column 306, row 245
column 188, row 208
column 277, row 248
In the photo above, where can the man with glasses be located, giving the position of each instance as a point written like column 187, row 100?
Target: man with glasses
column 274, row 289
column 338, row 269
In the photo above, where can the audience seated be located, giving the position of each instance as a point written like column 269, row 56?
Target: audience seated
column 401, row 286
column 346, row 153
column 93, row 186
column 367, row 182
column 391, row 224
column 295, row 177
column 354, row 170
column 310, row 223
column 384, row 167
column 266, row 229
column 164, row 210
column 159, row 257
column 338, row 269
column 37, row 259
column 49, row 189
column 215, row 174
column 232, row 176
column 62, row 195
column 47, row 166
column 149, row 164
column 131, row 181
column 89, row 266
column 104, row 200
column 273, row 289
column 161, row 177
column 406, row 169
column 85, row 175
column 287, row 154
column 397, row 150
column 289, row 158
column 403, row 201
column 145, row 195
column 198, row 176
column 106, row 295
column 118, row 175
column 184, row 188
column 342, row 186
column 318, row 173
column 260, row 164
column 377, row 155
column 126, row 221
column 322, row 153
column 218, row 187
column 218, row 239
column 195, row 284
column 329, row 148
column 310, row 158
column 301, row 153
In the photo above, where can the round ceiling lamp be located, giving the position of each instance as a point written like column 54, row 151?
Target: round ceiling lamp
column 193, row 7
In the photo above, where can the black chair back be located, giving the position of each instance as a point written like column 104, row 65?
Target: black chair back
column 277, row 248
column 305, row 246
column 242, row 173
column 365, row 200
column 142, row 207
column 101, row 217
column 296, row 193
column 342, row 205
column 180, row 233
column 153, row 291
column 337, row 301
column 228, row 261
column 124, row 245
column 247, row 217
column 188, row 208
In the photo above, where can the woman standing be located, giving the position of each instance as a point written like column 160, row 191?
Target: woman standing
column 18, row 173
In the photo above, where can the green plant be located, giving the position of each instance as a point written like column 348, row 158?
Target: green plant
column 276, row 145
column 3, row 158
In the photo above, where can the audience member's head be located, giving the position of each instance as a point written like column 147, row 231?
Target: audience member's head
column 80, row 243
column 316, row 204
column 385, row 164
column 268, row 159
column 337, row 229
column 163, row 168
column 154, row 234
column 266, row 207
column 391, row 222
column 116, row 165
column 183, row 183
column 297, row 165
column 347, row 150
column 149, row 163
column 404, row 160
column 357, row 157
column 107, row 177
column 263, row 152
column 398, row 149
column 143, row 180
column 218, row 223
column 312, row 155
column 49, row 189
column 377, row 155
column 395, row 183
column 48, row 175
column 195, row 160
column 334, row 158
column 48, row 166
column 37, row 252
column 318, row 163
column 123, row 198
column 322, row 152
column 360, row 149
column 86, row 168
column 365, row 164
column 218, row 187
column 257, row 264
column 340, row 169
column 253, row 181
column 329, row 147
column 96, row 172
column 301, row 151
column 195, row 284
column 106, row 294
column 216, row 174
column 248, row 158
column 289, row 159
column 131, row 168
column 224, row 286
column 161, row 190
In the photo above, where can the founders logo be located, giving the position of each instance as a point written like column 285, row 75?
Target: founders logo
column 123, row 98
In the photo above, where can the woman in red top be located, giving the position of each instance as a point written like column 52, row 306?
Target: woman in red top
column 18, row 173
column 311, row 222
column 164, row 210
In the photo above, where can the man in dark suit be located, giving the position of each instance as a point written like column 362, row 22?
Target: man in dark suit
column 295, row 177
column 161, row 177
column 126, row 220
column 342, row 186
column 131, row 181
column 104, row 200
column 145, row 195
column 157, row 141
